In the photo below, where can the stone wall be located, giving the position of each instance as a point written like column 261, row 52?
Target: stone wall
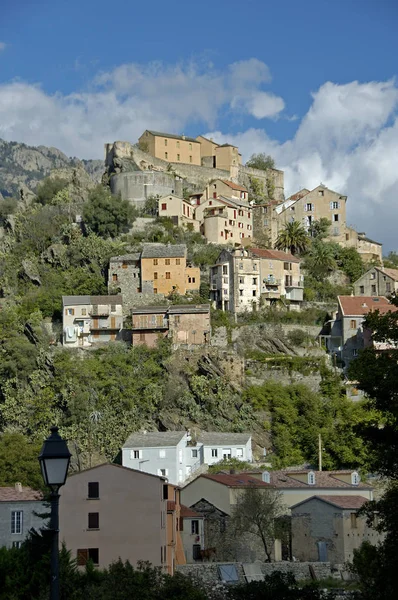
column 220, row 335
column 138, row 186
column 277, row 177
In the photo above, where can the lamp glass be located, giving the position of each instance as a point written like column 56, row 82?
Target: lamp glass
column 54, row 470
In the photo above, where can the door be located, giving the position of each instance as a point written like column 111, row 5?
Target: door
column 95, row 327
column 322, row 552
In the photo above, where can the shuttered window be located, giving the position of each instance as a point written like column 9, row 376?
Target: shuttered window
column 93, row 520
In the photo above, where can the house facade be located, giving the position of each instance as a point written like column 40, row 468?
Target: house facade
column 370, row 250
column 225, row 156
column 225, row 220
column 177, row 455
column 172, row 148
column 235, row 281
column 377, row 281
column 110, row 512
column 186, row 325
column 20, row 508
column 329, row 528
column 192, row 533
column 179, row 210
column 228, row 189
column 164, row 269
column 88, row 320
column 280, row 277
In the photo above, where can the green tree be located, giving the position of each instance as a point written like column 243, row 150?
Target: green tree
column 48, row 188
column 107, row 215
column 7, row 207
column 293, row 238
column 18, row 461
column 320, row 260
column 261, row 161
column 319, row 229
column 391, row 260
column 350, row 262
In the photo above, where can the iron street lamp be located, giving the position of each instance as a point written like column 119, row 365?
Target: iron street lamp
column 54, row 461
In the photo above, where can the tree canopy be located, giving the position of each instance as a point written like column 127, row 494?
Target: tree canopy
column 293, row 238
column 107, row 215
column 261, row 161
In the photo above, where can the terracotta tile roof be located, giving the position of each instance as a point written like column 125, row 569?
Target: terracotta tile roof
column 234, row 186
column 362, row 305
column 237, row 480
column 393, row 273
column 323, row 479
column 343, row 502
column 188, row 512
column 274, row 254
column 11, row 494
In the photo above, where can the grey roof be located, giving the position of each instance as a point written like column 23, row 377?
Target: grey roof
column 184, row 138
column 80, row 300
column 154, row 439
column 164, row 251
column 213, row 438
column 234, row 201
column 126, row 257
column 174, row 309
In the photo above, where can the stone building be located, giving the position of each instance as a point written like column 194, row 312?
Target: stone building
column 138, row 186
column 378, row 281
column 88, row 320
column 235, row 281
column 170, row 147
column 124, row 276
column 367, row 248
column 20, row 508
column 329, row 528
column 186, row 325
column 225, row 220
column 164, row 269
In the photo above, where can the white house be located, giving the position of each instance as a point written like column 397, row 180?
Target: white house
column 176, row 454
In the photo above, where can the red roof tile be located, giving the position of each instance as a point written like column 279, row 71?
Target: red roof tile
column 234, row 186
column 187, row 512
column 237, row 480
column 362, row 305
column 11, row 494
column 274, row 254
column 343, row 502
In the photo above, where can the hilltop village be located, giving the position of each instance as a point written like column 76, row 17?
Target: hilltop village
column 192, row 332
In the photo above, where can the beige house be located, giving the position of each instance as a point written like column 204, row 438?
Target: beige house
column 226, row 220
column 377, row 282
column 179, row 210
column 235, row 281
column 280, row 277
column 367, row 248
column 110, row 512
column 172, row 148
column 225, row 156
column 164, row 268
column 329, row 528
column 186, row 325
column 229, row 189
column 88, row 320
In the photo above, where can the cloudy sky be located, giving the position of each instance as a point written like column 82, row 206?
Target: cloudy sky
column 313, row 83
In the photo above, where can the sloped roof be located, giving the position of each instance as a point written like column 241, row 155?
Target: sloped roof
column 184, row 138
column 116, row 466
column 164, row 251
column 358, row 306
column 221, row 438
column 126, row 257
column 80, row 300
column 237, row 480
column 234, row 202
column 11, row 494
column 393, row 273
column 342, row 502
column 364, row 238
column 234, row 186
column 187, row 512
column 173, row 309
column 274, row 254
column 323, row 479
column 154, row 439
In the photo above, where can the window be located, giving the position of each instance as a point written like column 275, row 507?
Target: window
column 93, row 489
column 177, row 320
column 155, row 290
column 168, row 276
column 287, row 266
column 321, row 193
column 178, row 144
column 194, row 453
column 142, row 337
column 166, row 155
column 353, row 520
column 195, row 527
column 93, row 554
column 82, row 557
column 225, row 270
column 353, row 324
column 190, row 146
column 164, row 205
column 214, row 452
column 311, row 478
column 335, row 205
column 254, row 280
column 16, row 521
column 16, row 544
column 347, row 237
column 335, row 218
column 114, row 278
column 361, row 289
column 163, row 472
column 226, row 453
column 136, row 454
column 241, row 280
column 167, row 261
column 84, row 312
column 155, row 261
column 162, row 453
column 190, row 159
column 155, row 275
column 196, row 552
column 93, row 520
column 113, row 307
column 373, row 275
column 239, row 453
column 388, row 287
column 308, row 207
column 70, row 311
column 254, row 293
column 178, row 157
column 355, row 352
column 225, row 292
column 165, row 142
column 240, row 292
column 178, row 261
column 355, row 479
column 373, row 289
column 266, row 477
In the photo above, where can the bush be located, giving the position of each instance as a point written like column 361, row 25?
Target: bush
column 297, row 337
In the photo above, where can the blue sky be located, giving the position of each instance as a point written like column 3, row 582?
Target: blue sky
column 311, row 82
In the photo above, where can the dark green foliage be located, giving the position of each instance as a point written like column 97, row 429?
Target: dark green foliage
column 48, row 188
column 151, row 206
column 391, row 260
column 350, row 262
column 277, row 586
column 261, row 161
column 293, row 238
column 18, row 461
column 318, row 230
column 297, row 337
column 7, row 207
column 107, row 215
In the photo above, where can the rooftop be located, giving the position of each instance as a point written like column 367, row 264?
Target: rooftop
column 154, row 439
column 80, row 300
column 218, row 438
column 126, row 257
column 186, row 512
column 343, row 502
column 164, row 251
column 237, row 480
column 323, row 479
column 174, row 309
column 274, row 254
column 173, row 136
column 11, row 494
column 234, row 186
column 393, row 273
column 358, row 306
column 364, row 238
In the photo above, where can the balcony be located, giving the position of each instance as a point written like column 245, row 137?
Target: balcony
column 271, row 295
column 271, row 282
column 294, row 284
column 99, row 312
column 140, row 326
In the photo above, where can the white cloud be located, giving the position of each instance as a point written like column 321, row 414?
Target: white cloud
column 2, row 46
column 348, row 140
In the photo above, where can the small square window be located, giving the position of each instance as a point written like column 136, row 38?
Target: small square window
column 194, row 453
column 361, row 289
column 178, row 261
column 167, row 261
column 353, row 324
column 114, row 278
column 136, row 454
column 373, row 289
column 155, row 261
column 162, row 453
column 164, row 206
column 214, row 452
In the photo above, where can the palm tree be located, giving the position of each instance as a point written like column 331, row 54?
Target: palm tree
column 294, row 238
column 321, row 259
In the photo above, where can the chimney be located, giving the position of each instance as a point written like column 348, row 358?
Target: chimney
column 18, row 487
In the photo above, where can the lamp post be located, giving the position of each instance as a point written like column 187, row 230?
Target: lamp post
column 54, row 461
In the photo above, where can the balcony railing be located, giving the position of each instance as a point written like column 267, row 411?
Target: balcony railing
column 151, row 325
column 271, row 281
column 99, row 312
column 294, row 284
